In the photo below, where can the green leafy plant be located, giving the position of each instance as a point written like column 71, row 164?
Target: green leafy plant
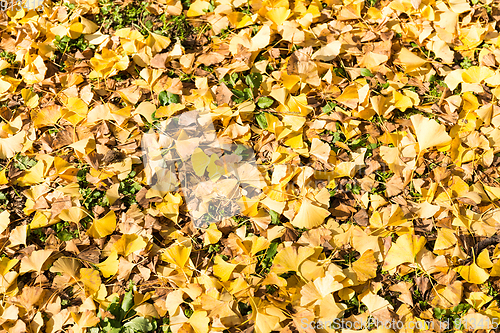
column 64, row 232
column 265, row 102
column 366, row 72
column 8, row 56
column 266, row 258
column 66, row 44
column 112, row 15
column 166, row 98
column 466, row 63
column 23, row 162
column 176, row 27
column 452, row 315
column 92, row 196
column 125, row 318
column 129, row 188
column 261, row 120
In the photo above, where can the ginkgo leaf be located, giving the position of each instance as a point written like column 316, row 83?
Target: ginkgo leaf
column 223, row 269
column 319, row 289
column 212, row 235
column 290, row 259
column 405, row 250
column 473, row 273
column 7, row 264
column 12, row 145
column 366, row 266
column 30, row 98
column 104, row 226
column 69, row 266
column 200, row 161
column 448, row 296
column 35, row 261
column 46, row 116
column 128, row 244
column 278, row 15
column 199, row 321
column 74, row 214
column 197, row 8
column 109, row 267
column 409, row 60
column 90, row 279
column 4, row 220
column 215, row 168
column 483, row 259
column 177, row 254
column 157, row 42
column 309, row 215
column 375, row 303
column 85, row 319
column 429, row 132
column 320, row 149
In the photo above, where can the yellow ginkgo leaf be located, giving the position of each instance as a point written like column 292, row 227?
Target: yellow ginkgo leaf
column 200, row 162
column 69, row 266
column 278, row 15
column 177, row 254
column 104, row 226
column 198, row 8
column 366, row 266
column 90, row 279
column 109, row 267
column 128, row 244
column 35, row 261
column 445, row 239
column 7, row 264
column 409, row 60
column 199, row 321
column 75, row 30
column 157, row 42
column 73, row 214
column 477, row 299
column 459, row 6
column 168, row 110
column 309, row 215
column 447, row 296
column 46, row 116
column 223, row 269
column 290, row 258
column 405, row 250
column 215, row 168
column 319, row 289
column 470, row 102
column 30, row 98
column 473, row 273
column 483, row 259
column 85, row 319
column 374, row 302
column 4, row 220
column 429, row 132
column 12, row 145
column 212, row 235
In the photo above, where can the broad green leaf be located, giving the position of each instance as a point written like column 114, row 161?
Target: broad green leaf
column 261, row 120
column 139, row 324
column 253, row 80
column 366, row 72
column 166, row 98
column 265, row 102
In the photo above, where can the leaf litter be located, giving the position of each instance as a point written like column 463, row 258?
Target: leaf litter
column 375, row 131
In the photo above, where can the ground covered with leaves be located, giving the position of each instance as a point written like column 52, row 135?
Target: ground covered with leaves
column 375, row 127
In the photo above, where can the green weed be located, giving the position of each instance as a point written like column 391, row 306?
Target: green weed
column 125, row 318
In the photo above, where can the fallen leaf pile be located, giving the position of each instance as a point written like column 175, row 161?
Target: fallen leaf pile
column 355, row 176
